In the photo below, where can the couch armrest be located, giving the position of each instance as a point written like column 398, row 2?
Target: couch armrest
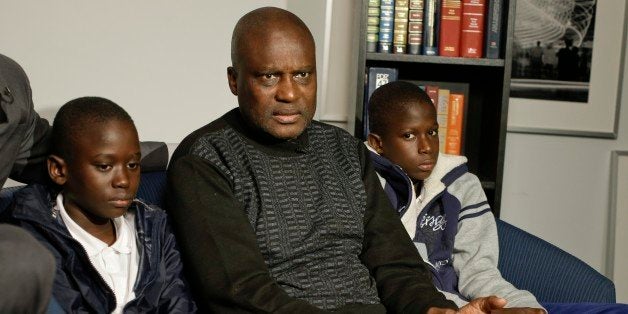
column 549, row 273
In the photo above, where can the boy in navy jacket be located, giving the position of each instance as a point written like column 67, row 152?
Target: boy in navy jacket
column 114, row 253
column 441, row 204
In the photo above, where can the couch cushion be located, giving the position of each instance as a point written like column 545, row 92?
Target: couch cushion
column 551, row 274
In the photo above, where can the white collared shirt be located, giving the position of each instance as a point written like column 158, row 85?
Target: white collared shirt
column 117, row 264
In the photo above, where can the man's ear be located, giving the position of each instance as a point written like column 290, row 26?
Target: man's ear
column 57, row 169
column 232, row 76
column 375, row 141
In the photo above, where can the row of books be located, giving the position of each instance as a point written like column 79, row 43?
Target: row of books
column 449, row 98
column 450, row 28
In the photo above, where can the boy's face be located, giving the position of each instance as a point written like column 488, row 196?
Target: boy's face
column 411, row 141
column 104, row 174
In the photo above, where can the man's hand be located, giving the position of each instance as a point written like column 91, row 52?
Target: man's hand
column 495, row 305
column 486, row 305
column 483, row 305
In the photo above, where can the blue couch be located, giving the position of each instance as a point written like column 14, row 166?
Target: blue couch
column 528, row 262
column 550, row 273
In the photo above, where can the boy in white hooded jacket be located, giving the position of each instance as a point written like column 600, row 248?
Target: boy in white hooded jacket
column 441, row 204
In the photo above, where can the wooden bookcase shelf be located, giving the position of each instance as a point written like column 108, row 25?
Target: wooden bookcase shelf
column 487, row 106
column 376, row 56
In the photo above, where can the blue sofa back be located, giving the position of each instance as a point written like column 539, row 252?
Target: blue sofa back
column 153, row 188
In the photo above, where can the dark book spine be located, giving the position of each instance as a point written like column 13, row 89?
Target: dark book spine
column 376, row 78
column 493, row 29
column 431, row 19
column 372, row 26
column 386, row 25
column 365, row 102
column 400, row 34
column 449, row 37
column 415, row 26
column 472, row 36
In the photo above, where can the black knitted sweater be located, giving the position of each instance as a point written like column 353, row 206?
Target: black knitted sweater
column 271, row 225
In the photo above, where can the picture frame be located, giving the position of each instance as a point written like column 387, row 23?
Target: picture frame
column 598, row 117
column 617, row 252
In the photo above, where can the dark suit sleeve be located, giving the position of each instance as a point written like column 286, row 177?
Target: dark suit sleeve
column 403, row 281
column 225, row 267
column 30, row 163
column 24, row 135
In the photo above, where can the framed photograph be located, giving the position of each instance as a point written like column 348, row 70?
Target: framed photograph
column 567, row 67
column 552, row 50
column 617, row 252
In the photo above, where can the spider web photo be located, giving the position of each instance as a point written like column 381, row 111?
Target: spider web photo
column 552, row 50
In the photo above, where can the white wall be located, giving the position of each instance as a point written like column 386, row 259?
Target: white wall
column 557, row 187
column 164, row 61
column 331, row 23
column 618, row 252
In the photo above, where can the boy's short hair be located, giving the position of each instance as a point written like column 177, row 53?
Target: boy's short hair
column 79, row 114
column 391, row 100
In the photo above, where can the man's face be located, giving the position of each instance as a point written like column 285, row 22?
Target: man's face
column 275, row 81
column 411, row 141
column 104, row 173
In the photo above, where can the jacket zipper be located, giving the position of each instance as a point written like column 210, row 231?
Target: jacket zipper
column 93, row 268
column 102, row 280
column 143, row 253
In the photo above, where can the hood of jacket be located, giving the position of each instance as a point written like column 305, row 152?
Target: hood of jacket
column 398, row 185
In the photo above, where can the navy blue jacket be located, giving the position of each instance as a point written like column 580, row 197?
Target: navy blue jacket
column 78, row 286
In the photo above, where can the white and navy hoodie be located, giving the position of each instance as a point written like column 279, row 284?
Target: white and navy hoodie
column 451, row 224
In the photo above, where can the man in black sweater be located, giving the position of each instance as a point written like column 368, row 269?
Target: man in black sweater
column 275, row 212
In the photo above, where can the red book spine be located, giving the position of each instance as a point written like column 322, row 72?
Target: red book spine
column 432, row 92
column 472, row 36
column 449, row 39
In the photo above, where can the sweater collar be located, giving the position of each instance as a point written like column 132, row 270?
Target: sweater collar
column 265, row 141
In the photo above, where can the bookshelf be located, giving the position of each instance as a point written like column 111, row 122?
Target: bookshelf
column 487, row 104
